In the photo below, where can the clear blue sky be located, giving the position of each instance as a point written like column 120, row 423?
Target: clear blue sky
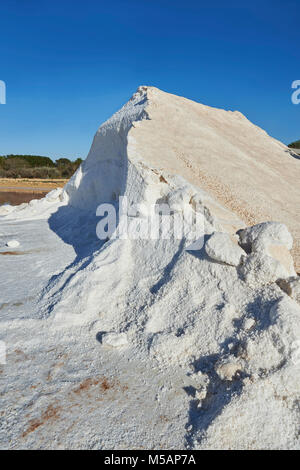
column 68, row 65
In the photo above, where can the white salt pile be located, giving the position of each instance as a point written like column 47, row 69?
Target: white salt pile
column 158, row 343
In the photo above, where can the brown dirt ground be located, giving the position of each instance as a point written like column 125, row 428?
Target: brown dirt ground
column 24, row 183
column 18, row 190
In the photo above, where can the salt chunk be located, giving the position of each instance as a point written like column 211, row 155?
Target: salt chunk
column 115, row 340
column 220, row 247
column 291, row 286
column 264, row 234
column 13, row 243
column 201, row 394
column 54, row 195
column 260, row 268
column 248, row 323
column 228, row 370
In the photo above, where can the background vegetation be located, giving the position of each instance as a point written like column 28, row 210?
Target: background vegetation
column 34, row 166
column 295, row 145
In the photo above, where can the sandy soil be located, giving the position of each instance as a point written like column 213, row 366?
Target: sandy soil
column 20, row 196
column 17, row 191
column 24, row 184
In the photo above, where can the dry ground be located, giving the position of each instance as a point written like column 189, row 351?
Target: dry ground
column 18, row 190
column 23, row 184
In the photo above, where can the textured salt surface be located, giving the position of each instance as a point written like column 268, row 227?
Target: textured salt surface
column 145, row 343
column 222, row 152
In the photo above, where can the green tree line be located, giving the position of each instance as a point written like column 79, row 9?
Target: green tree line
column 36, row 166
column 295, row 145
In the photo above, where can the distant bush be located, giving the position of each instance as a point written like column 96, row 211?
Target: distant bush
column 62, row 162
column 295, row 145
column 13, row 163
column 42, row 172
column 32, row 160
column 32, row 166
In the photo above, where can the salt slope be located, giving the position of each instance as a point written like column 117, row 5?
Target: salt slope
column 116, row 163
column 222, row 152
column 224, row 350
column 183, row 309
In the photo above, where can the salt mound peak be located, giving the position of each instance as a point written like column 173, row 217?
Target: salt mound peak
column 236, row 162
